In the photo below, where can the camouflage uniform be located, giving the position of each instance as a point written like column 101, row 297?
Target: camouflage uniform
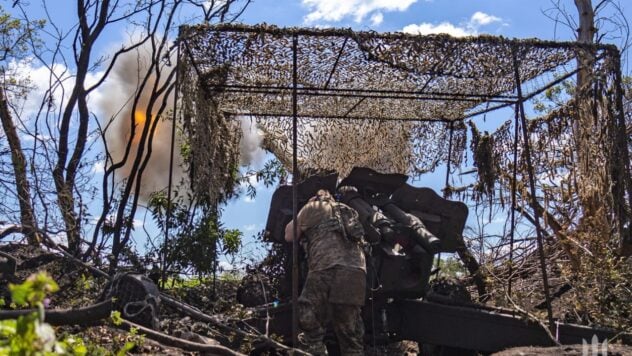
column 335, row 286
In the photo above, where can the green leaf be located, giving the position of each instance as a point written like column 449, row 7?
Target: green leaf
column 34, row 290
column 116, row 317
column 127, row 347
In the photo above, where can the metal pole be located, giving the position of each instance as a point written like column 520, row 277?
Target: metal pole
column 294, row 194
column 171, row 153
column 512, row 229
column 447, row 172
column 534, row 204
column 447, row 181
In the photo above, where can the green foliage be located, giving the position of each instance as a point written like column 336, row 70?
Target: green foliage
column 178, row 283
column 452, row 268
column 29, row 335
column 126, row 348
column 18, row 39
column 231, row 240
column 116, row 318
column 17, row 35
column 197, row 235
column 33, row 291
column 554, row 97
column 273, row 171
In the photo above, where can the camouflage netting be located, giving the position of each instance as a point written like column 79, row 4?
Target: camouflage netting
column 554, row 156
column 413, row 89
column 400, row 103
column 212, row 149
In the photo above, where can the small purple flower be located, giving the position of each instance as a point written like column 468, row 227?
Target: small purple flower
column 46, row 302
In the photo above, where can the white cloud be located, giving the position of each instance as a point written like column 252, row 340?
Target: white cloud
column 249, row 200
column 59, row 238
column 215, row 4
column 444, row 27
column 98, row 167
column 336, row 10
column 250, row 227
column 377, row 18
column 467, row 28
column 39, row 80
column 225, row 266
column 250, row 149
column 49, row 86
column 138, row 223
column 483, row 19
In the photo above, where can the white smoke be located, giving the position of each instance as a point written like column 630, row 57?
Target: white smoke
column 115, row 106
column 251, row 153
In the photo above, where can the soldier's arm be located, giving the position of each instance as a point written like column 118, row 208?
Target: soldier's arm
column 289, row 231
column 303, row 219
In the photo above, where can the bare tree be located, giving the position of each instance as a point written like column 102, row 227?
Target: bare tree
column 14, row 38
column 68, row 121
column 600, row 22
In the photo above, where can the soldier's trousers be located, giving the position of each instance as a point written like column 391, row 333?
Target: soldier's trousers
column 335, row 295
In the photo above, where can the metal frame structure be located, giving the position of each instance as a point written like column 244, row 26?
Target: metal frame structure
column 297, row 89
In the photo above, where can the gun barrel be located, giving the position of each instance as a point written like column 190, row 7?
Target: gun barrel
column 419, row 233
column 376, row 225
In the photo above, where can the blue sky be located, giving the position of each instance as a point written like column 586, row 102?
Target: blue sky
column 508, row 18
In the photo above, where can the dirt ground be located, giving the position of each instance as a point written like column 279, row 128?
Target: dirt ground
column 80, row 288
column 567, row 350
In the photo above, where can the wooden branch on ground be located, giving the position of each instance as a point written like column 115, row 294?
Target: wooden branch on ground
column 179, row 343
column 94, row 314
column 199, row 315
column 77, row 316
column 166, row 299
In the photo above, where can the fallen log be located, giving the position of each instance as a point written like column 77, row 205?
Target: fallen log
column 77, row 316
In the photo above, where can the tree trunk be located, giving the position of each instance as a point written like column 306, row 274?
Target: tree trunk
column 477, row 273
column 588, row 184
column 27, row 218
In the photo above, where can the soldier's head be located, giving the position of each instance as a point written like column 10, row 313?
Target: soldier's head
column 346, row 192
column 322, row 195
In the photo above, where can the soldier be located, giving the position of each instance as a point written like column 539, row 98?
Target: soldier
column 336, row 279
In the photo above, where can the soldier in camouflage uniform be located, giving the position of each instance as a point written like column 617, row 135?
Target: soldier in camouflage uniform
column 335, row 286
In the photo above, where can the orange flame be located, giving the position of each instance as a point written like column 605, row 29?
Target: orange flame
column 139, row 121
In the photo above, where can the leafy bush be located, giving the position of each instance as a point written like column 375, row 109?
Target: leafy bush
column 29, row 334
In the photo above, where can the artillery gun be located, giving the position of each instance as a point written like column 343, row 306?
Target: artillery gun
column 406, row 226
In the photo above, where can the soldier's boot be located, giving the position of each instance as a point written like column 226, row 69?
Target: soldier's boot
column 312, row 344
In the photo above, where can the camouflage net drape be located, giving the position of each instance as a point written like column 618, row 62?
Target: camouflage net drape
column 212, row 148
column 383, row 101
column 554, row 145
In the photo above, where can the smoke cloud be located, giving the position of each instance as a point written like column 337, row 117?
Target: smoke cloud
column 251, row 153
column 116, row 105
